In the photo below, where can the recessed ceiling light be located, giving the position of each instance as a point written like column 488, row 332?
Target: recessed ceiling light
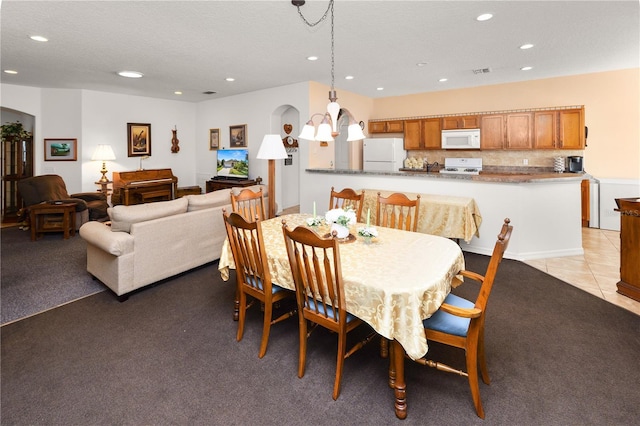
column 230, row 79
column 380, row 88
column 484, row 17
column 526, row 68
column 130, row 74
column 177, row 92
column 421, row 64
column 38, row 38
column 442, row 80
column 526, row 46
column 349, row 77
column 312, row 58
column 11, row 72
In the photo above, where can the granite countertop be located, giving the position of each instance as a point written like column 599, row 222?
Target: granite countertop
column 499, row 175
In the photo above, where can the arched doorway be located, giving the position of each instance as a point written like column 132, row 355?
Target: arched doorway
column 17, row 159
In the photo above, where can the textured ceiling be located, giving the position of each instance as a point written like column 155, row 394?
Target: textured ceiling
column 192, row 46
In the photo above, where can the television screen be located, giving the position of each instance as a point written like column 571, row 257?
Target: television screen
column 233, row 163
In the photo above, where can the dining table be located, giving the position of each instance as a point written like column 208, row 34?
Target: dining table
column 392, row 283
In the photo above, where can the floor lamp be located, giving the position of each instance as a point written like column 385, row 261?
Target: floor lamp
column 272, row 149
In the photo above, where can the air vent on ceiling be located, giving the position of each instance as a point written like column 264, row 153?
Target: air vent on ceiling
column 482, row 71
column 208, row 92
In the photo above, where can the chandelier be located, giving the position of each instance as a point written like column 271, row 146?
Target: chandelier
column 328, row 128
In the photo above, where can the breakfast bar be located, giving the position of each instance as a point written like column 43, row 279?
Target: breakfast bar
column 546, row 205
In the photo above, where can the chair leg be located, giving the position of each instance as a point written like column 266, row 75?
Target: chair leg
column 482, row 360
column 302, row 357
column 342, row 347
column 266, row 328
column 472, row 371
column 242, row 311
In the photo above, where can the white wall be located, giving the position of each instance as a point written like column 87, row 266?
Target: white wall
column 610, row 189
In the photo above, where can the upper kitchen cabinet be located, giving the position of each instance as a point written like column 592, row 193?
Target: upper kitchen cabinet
column 559, row 129
column 422, row 134
column 393, row 126
column 492, row 131
column 519, row 128
column 461, row 122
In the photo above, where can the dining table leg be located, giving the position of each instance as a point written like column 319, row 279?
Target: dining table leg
column 396, row 379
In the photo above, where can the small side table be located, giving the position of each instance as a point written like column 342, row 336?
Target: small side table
column 53, row 217
column 104, row 186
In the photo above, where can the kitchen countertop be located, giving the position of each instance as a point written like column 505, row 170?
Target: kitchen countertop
column 484, row 176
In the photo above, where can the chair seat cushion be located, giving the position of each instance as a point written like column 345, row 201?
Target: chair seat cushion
column 447, row 323
column 275, row 288
column 331, row 313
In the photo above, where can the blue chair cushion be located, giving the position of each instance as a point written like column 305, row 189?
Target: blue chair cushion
column 257, row 283
column 330, row 313
column 447, row 323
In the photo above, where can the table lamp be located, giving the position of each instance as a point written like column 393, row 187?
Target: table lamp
column 272, row 149
column 103, row 153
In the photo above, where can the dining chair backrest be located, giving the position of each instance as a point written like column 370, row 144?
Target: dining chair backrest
column 347, row 198
column 315, row 265
column 249, row 204
column 496, row 257
column 397, row 211
column 245, row 238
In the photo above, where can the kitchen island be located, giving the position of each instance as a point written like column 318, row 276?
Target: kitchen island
column 544, row 208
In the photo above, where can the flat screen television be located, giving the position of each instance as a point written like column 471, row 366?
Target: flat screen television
column 233, row 163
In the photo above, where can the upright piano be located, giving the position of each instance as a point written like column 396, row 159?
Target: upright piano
column 143, row 186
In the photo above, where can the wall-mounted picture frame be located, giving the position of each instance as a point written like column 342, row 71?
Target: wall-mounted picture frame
column 214, row 139
column 60, row 149
column 138, row 139
column 238, row 136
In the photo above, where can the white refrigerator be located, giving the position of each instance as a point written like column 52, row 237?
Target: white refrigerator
column 383, row 154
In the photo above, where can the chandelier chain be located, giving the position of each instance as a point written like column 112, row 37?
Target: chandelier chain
column 313, row 24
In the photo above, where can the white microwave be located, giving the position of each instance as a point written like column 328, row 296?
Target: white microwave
column 461, row 139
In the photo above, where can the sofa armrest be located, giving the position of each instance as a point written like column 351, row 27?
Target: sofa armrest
column 101, row 236
column 90, row 196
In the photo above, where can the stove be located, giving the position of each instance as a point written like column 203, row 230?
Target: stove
column 462, row 166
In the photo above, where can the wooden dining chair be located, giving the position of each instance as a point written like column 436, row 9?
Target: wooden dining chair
column 347, row 198
column 398, row 211
column 460, row 323
column 252, row 274
column 249, row 204
column 315, row 265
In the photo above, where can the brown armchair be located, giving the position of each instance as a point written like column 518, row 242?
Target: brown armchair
column 39, row 189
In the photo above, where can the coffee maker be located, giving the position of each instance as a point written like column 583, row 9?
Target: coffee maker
column 575, row 164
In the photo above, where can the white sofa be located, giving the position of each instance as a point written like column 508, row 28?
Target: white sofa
column 145, row 243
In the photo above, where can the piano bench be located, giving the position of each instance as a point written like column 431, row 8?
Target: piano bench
column 188, row 190
column 151, row 196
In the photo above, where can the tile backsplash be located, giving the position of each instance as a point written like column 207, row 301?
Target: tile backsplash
column 510, row 158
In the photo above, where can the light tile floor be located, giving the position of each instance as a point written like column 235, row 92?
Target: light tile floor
column 596, row 272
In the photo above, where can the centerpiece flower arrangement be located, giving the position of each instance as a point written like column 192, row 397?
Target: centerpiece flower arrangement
column 340, row 220
column 368, row 232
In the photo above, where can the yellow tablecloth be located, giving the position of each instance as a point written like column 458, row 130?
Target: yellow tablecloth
column 392, row 284
column 443, row 215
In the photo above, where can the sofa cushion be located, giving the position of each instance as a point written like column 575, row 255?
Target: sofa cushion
column 123, row 216
column 209, row 200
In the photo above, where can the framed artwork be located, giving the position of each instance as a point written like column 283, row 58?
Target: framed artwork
column 60, row 149
column 238, row 136
column 138, row 139
column 214, row 139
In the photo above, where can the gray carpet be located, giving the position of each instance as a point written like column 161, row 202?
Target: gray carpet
column 40, row 275
column 168, row 356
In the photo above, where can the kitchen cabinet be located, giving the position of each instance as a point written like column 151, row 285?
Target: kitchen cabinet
column 390, row 126
column 461, row 122
column 492, row 131
column 571, row 129
column 422, row 134
column 559, row 129
column 545, row 126
column 519, row 129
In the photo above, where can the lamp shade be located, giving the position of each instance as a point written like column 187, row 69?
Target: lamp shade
column 103, row 153
column 272, row 148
